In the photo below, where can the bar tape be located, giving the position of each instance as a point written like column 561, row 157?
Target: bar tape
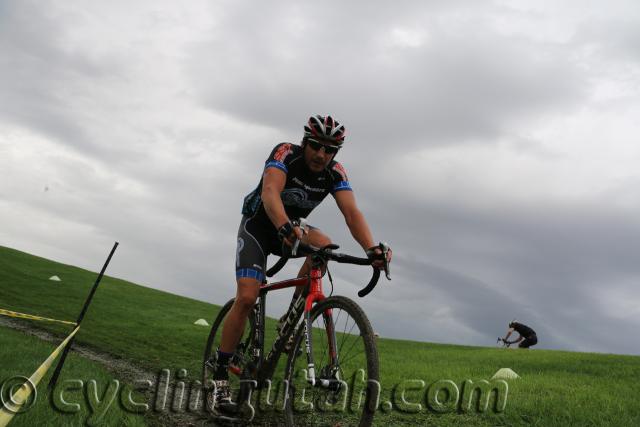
column 10, row 313
column 23, row 393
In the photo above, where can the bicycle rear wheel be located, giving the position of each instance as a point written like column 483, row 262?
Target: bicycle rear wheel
column 347, row 379
column 240, row 362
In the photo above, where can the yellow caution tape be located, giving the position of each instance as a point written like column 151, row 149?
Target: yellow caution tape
column 32, row 317
column 21, row 396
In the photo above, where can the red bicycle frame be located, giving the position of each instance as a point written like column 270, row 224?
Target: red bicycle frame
column 314, row 280
column 314, row 295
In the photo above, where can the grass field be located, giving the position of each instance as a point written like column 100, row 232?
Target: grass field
column 154, row 330
column 21, row 355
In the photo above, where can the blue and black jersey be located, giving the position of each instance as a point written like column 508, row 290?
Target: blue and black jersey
column 303, row 190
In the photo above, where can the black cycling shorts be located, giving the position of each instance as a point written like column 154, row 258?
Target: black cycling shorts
column 256, row 240
column 529, row 341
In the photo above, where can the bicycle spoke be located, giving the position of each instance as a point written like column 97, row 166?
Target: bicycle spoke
column 336, row 325
column 346, row 334
column 355, row 350
column 346, row 360
column 337, row 321
column 325, row 343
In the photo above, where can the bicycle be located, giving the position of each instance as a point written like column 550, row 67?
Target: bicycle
column 335, row 336
column 505, row 343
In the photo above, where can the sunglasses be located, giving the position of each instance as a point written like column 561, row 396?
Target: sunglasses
column 316, row 146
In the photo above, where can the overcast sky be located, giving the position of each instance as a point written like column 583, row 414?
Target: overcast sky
column 494, row 146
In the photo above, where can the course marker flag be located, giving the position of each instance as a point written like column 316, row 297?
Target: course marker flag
column 10, row 313
column 21, row 396
column 505, row 374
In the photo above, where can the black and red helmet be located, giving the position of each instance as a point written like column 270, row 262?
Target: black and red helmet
column 324, row 128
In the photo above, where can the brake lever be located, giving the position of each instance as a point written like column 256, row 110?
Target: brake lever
column 302, row 224
column 384, row 247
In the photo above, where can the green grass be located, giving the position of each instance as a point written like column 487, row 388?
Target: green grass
column 155, row 330
column 22, row 355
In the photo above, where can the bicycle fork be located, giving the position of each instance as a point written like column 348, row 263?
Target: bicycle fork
column 316, row 295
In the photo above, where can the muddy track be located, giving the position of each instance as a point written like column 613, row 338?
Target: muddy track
column 126, row 372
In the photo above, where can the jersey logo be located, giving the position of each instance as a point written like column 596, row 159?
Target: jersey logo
column 298, row 198
column 239, row 249
column 282, row 152
column 338, row 168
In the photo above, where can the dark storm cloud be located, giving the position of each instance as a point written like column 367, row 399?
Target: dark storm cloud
column 548, row 267
column 42, row 76
column 157, row 152
column 460, row 82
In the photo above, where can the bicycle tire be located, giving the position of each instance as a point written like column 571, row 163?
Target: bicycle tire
column 242, row 358
column 365, row 356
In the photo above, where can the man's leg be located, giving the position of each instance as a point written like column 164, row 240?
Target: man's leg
column 524, row 344
column 315, row 238
column 529, row 342
column 247, row 292
column 249, row 255
column 232, row 329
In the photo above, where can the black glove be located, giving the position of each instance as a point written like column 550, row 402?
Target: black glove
column 384, row 256
column 384, row 249
column 285, row 231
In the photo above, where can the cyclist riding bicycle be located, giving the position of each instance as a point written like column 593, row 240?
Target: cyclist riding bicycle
column 527, row 336
column 296, row 178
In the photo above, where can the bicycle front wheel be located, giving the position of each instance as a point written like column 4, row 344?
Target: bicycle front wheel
column 339, row 383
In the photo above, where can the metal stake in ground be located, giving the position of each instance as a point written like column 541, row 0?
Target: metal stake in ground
column 56, row 373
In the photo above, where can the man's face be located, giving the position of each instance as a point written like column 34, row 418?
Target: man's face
column 316, row 157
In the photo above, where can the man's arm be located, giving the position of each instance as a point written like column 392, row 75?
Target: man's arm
column 354, row 218
column 509, row 332
column 273, row 182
